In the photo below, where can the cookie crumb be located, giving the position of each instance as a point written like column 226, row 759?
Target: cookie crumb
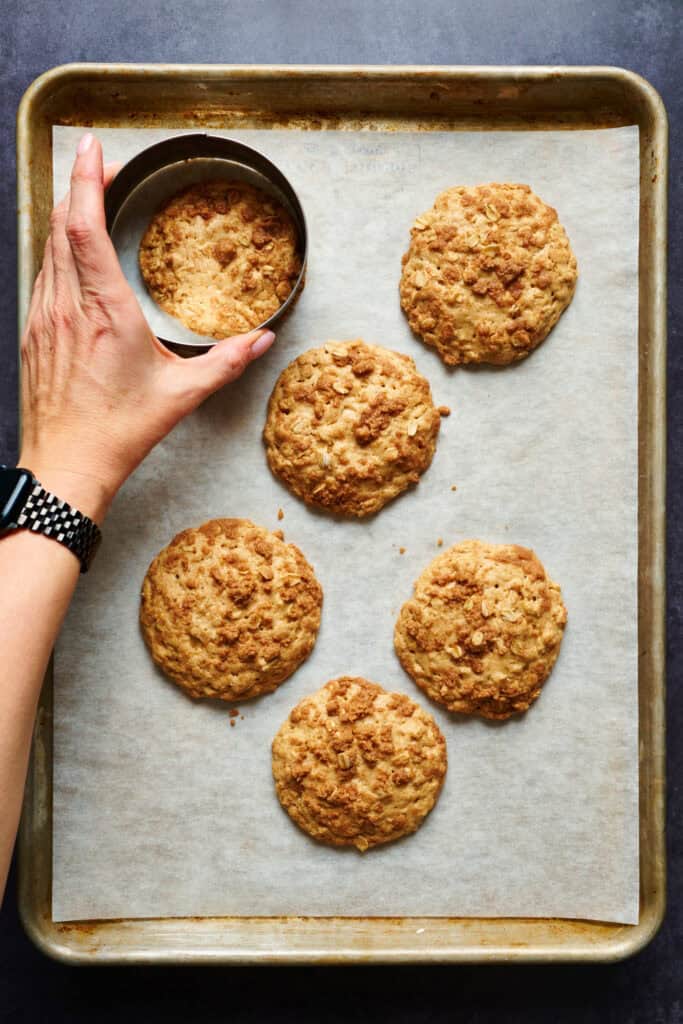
column 280, row 514
column 454, row 488
column 401, row 551
column 439, row 542
column 232, row 723
column 443, row 410
column 233, row 712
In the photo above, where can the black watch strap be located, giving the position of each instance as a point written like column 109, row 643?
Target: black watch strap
column 45, row 513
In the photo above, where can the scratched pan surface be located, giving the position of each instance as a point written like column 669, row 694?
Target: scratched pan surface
column 416, row 98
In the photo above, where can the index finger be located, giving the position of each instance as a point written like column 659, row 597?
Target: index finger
column 86, row 229
column 110, row 172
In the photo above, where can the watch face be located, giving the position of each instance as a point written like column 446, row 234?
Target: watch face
column 15, row 487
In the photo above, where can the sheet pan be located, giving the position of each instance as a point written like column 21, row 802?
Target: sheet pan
column 443, row 98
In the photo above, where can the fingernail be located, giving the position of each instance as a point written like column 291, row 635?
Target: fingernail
column 262, row 344
column 84, row 144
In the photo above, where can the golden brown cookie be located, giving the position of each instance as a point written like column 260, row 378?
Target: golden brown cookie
column 230, row 610
column 350, row 426
column 220, row 256
column 357, row 766
column 483, row 629
column 488, row 273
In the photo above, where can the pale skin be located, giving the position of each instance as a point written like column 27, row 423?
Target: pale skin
column 98, row 392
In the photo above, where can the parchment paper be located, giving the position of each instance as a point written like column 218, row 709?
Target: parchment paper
column 160, row 807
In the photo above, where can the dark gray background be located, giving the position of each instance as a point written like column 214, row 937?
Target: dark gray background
column 644, row 36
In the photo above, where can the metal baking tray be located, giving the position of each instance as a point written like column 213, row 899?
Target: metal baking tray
column 323, row 98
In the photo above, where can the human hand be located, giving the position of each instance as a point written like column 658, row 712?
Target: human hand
column 98, row 388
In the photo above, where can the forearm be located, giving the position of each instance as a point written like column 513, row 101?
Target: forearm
column 37, row 580
column 37, row 577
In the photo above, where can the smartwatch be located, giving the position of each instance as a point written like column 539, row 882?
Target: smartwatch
column 25, row 505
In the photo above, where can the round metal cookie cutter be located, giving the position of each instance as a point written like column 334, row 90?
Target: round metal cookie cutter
column 158, row 172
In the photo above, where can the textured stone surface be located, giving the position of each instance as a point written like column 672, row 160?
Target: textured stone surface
column 644, row 35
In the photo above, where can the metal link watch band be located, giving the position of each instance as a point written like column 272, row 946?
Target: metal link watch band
column 45, row 513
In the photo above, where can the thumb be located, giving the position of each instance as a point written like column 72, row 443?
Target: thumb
column 227, row 360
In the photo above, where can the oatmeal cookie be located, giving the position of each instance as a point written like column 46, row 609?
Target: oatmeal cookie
column 350, row 426
column 357, row 766
column 230, row 610
column 483, row 629
column 220, row 256
column 488, row 273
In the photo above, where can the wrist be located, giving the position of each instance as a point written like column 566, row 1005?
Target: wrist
column 84, row 491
